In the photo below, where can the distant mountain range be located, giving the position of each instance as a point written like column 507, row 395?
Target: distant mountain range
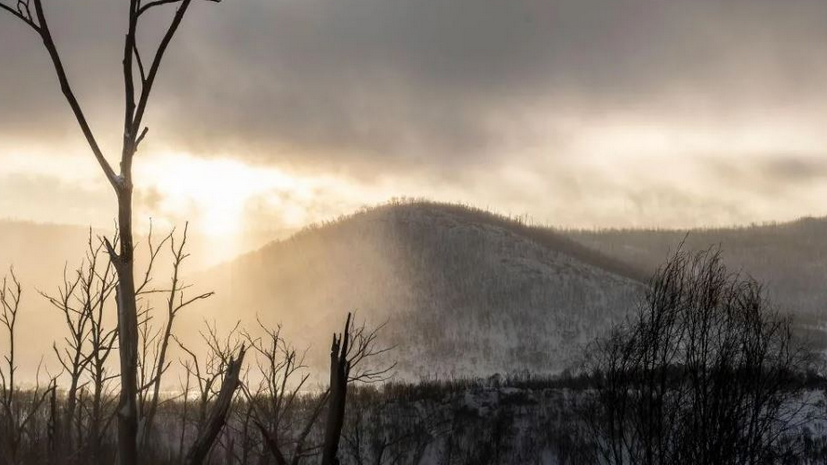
column 462, row 291
column 789, row 258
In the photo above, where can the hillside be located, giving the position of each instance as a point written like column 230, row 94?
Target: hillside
column 464, row 292
column 789, row 258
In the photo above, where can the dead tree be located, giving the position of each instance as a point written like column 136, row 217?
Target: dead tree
column 71, row 356
column 348, row 354
column 271, row 403
column 82, row 300
column 136, row 93
column 705, row 372
column 185, row 402
column 76, row 309
column 224, row 360
column 17, row 412
column 102, row 339
column 175, row 303
column 10, row 295
column 218, row 415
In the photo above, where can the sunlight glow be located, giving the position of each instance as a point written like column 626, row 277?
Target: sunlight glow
column 217, row 190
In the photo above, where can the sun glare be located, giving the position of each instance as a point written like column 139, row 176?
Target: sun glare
column 216, row 190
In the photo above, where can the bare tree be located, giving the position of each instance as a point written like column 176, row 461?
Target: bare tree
column 224, row 362
column 10, row 295
column 82, row 299
column 136, row 93
column 17, row 411
column 348, row 354
column 155, row 364
column 281, row 377
column 71, row 356
column 102, row 339
column 388, row 434
column 75, row 299
column 218, row 415
column 706, row 372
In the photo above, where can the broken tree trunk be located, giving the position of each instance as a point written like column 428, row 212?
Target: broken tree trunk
column 339, row 372
column 218, row 416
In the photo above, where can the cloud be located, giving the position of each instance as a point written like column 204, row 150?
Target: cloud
column 452, row 95
column 797, row 168
column 414, row 80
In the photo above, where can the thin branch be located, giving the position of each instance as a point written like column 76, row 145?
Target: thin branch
column 20, row 15
column 144, row 8
column 156, row 64
column 66, row 88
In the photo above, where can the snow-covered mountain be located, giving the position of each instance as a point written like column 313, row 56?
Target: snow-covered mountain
column 463, row 291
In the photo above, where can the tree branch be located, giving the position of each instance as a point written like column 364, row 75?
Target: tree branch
column 66, row 88
column 19, row 14
column 143, row 9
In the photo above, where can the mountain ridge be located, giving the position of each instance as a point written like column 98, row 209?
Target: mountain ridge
column 451, row 282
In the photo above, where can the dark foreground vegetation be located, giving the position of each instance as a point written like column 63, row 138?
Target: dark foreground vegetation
column 484, row 421
column 251, row 380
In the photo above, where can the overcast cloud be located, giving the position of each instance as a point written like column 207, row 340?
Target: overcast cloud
column 578, row 112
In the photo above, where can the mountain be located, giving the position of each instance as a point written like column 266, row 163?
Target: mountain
column 463, row 291
column 789, row 259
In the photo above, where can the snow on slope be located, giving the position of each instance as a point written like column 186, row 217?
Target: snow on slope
column 463, row 292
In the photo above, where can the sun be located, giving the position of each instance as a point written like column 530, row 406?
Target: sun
column 212, row 193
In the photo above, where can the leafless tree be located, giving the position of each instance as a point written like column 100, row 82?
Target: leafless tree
column 281, row 376
column 102, row 338
column 82, row 298
column 138, row 84
column 10, row 295
column 218, row 414
column 155, row 346
column 185, row 402
column 706, row 372
column 379, row 434
column 18, row 408
column 72, row 355
column 224, row 362
column 349, row 353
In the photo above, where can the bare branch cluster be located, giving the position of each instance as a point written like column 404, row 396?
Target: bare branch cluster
column 17, row 409
column 282, row 374
column 705, row 373
column 83, row 298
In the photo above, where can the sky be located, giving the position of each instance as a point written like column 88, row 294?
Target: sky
column 271, row 114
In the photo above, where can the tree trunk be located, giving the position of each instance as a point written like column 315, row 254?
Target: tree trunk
column 218, row 416
column 339, row 371
column 127, row 329
column 52, row 428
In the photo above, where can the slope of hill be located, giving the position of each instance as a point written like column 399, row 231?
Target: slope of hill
column 464, row 292
column 789, row 258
